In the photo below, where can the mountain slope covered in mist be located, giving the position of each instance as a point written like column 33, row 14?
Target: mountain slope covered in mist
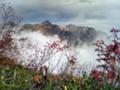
column 75, row 35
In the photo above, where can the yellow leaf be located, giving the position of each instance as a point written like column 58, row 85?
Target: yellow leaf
column 65, row 87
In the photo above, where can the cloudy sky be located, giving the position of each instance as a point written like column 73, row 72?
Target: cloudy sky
column 100, row 14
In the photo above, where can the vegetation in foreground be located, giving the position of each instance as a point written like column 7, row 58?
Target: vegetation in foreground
column 16, row 77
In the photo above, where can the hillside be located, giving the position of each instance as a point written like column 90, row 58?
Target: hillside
column 75, row 35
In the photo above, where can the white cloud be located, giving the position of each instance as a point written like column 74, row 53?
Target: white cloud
column 101, row 14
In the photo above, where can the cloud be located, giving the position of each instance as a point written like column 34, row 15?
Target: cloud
column 101, row 14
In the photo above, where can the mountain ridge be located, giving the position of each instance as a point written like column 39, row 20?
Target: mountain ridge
column 75, row 35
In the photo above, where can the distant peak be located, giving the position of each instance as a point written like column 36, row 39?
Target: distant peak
column 47, row 22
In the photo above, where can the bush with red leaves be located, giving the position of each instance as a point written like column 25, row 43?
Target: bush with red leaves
column 109, row 55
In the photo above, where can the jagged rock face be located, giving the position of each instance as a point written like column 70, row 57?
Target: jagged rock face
column 47, row 22
column 81, row 35
column 53, row 29
column 46, row 27
column 75, row 35
column 27, row 26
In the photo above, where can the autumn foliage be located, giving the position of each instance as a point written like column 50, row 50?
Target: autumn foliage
column 109, row 57
column 105, row 76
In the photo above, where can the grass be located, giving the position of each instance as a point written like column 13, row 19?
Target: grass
column 16, row 77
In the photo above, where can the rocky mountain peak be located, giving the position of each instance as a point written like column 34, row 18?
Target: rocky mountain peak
column 46, row 22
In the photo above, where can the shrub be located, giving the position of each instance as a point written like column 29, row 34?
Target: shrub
column 109, row 55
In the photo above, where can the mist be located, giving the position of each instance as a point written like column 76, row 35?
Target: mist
column 25, row 40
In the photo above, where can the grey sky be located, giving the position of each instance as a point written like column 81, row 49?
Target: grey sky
column 100, row 14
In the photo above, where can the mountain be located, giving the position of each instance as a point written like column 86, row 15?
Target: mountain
column 75, row 35
column 81, row 34
column 47, row 22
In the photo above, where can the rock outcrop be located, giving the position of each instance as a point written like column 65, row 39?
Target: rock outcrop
column 75, row 35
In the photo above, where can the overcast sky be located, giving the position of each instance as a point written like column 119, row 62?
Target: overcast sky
column 100, row 14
